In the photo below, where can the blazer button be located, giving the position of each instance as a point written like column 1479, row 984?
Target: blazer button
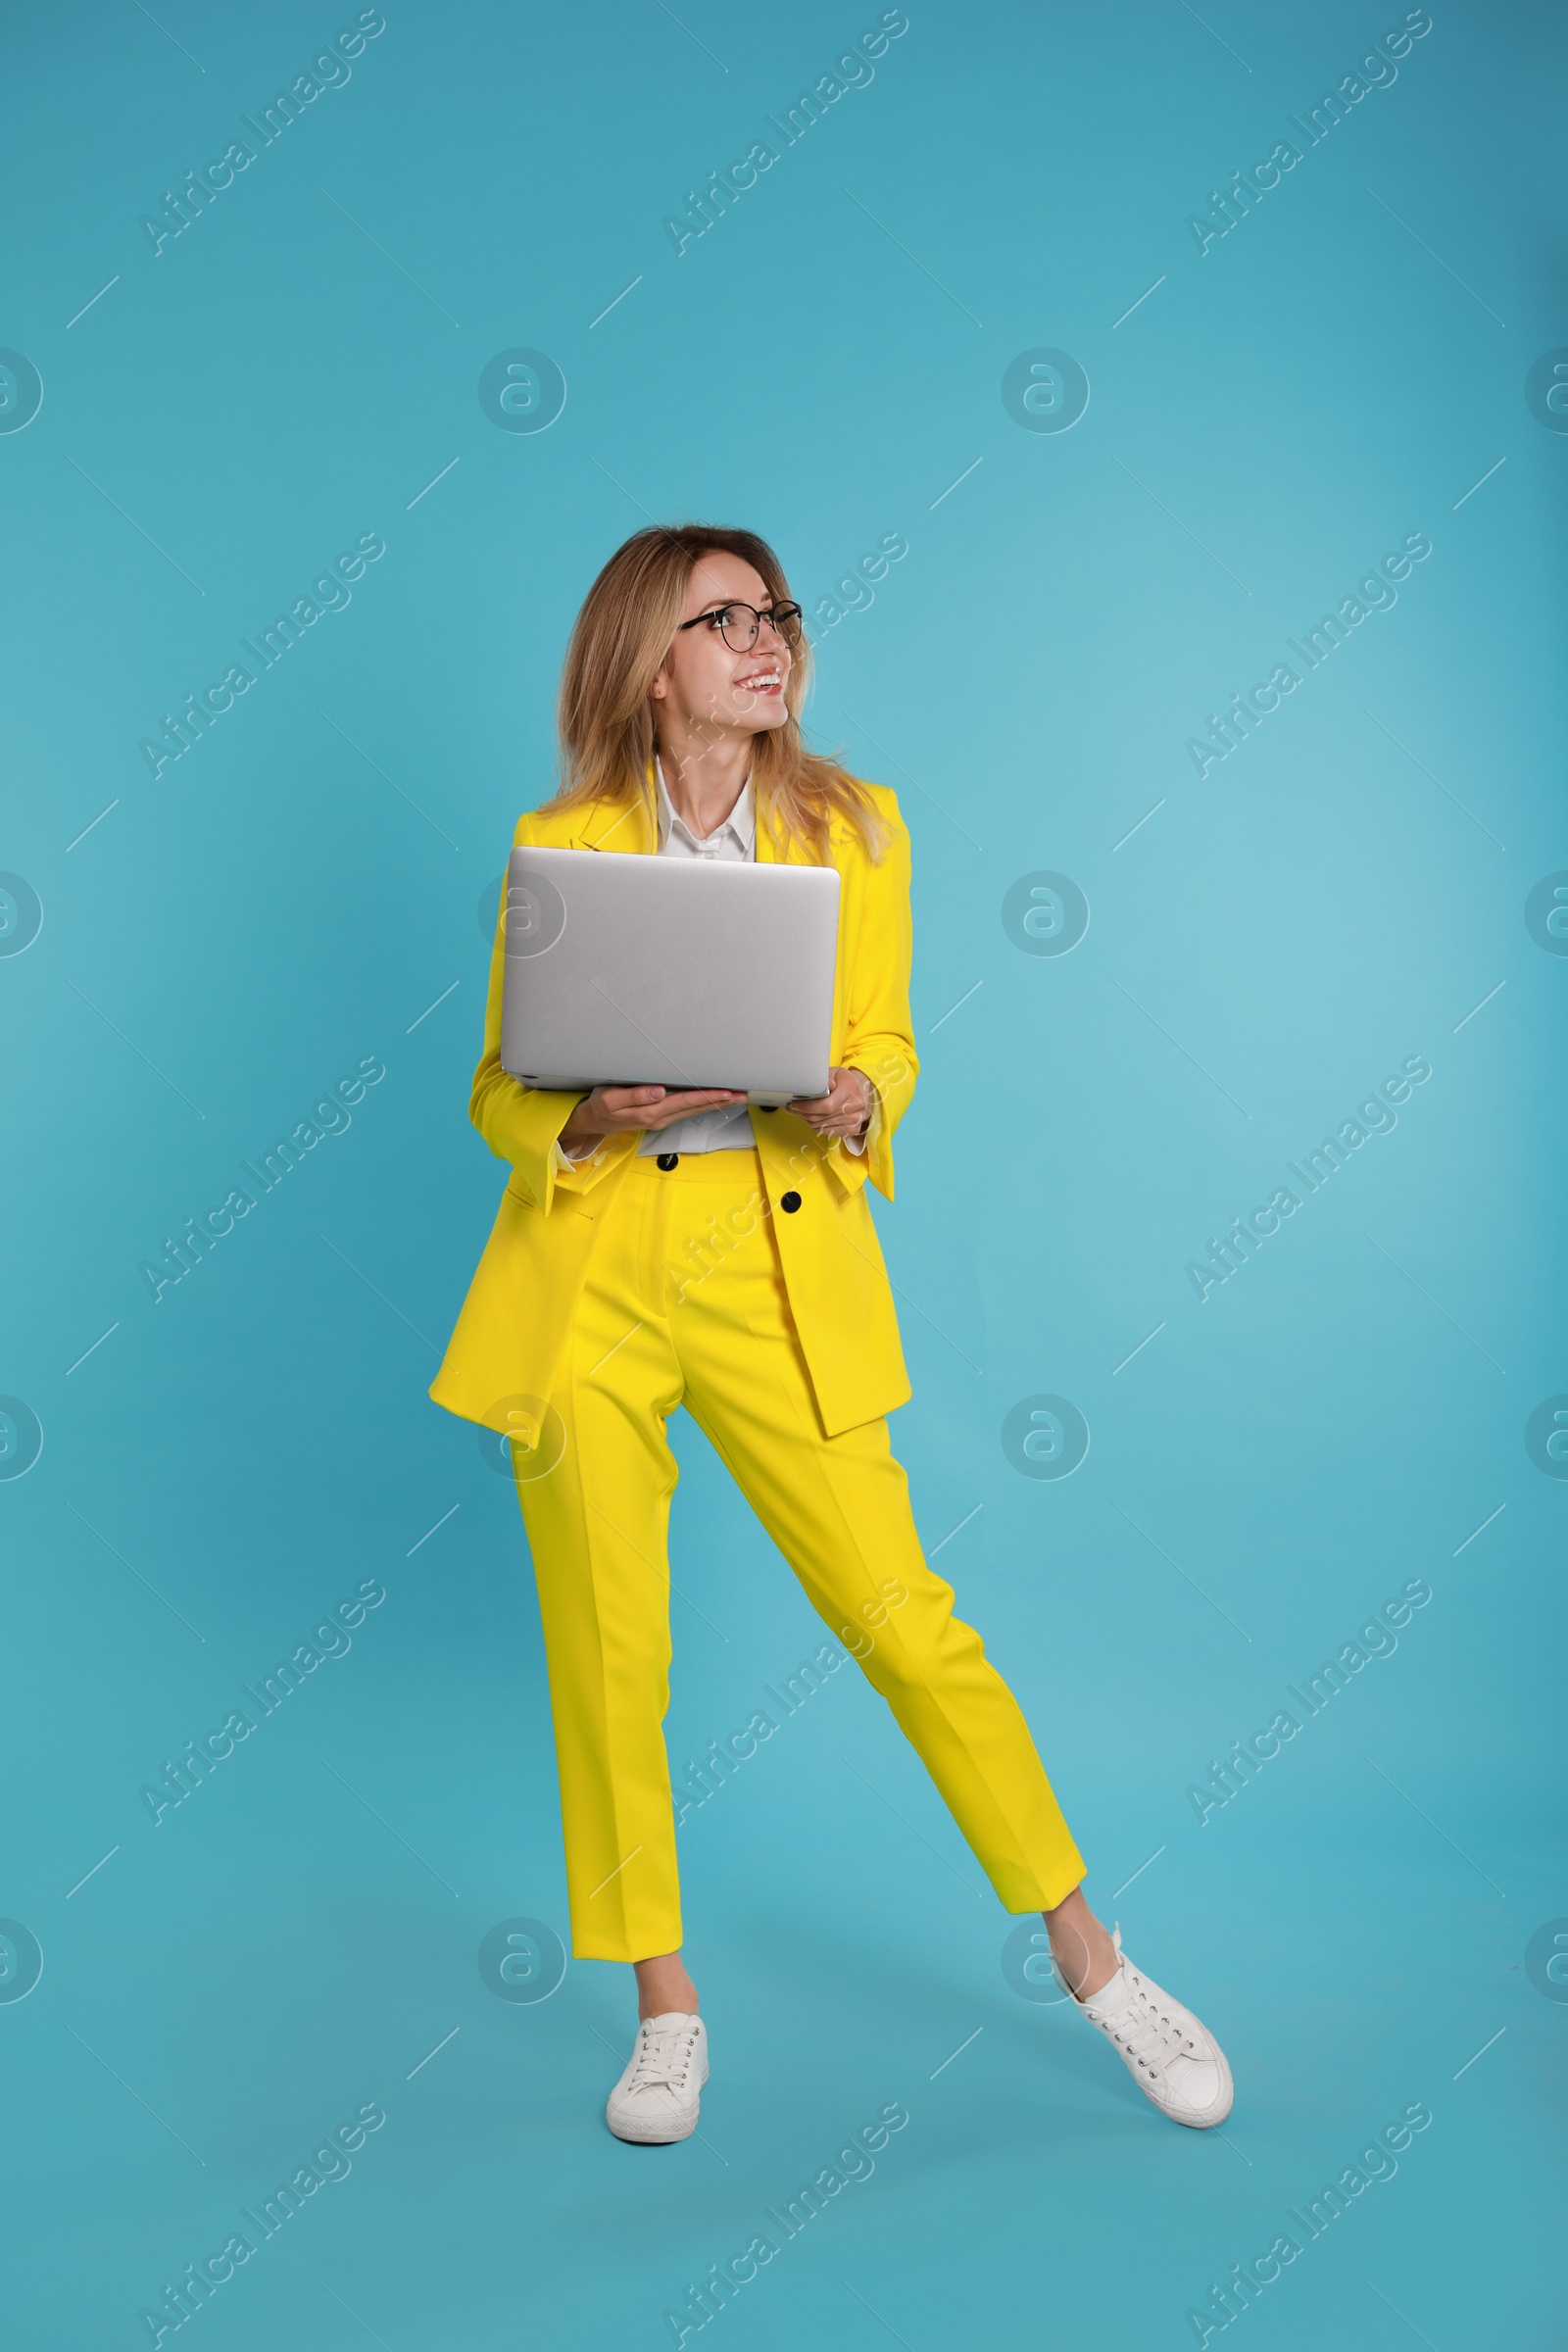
column 669, row 1160
column 788, row 1202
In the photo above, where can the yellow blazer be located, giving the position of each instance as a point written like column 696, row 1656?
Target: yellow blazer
column 508, row 1338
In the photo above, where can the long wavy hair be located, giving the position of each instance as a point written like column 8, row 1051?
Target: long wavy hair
column 618, row 645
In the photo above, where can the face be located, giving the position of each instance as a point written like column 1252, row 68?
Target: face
column 702, row 683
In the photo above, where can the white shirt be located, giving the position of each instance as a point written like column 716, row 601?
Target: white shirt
column 728, row 1126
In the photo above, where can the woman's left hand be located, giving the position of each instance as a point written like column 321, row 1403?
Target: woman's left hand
column 843, row 1110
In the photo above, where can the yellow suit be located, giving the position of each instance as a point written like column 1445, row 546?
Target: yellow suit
column 750, row 1287
column 517, row 1312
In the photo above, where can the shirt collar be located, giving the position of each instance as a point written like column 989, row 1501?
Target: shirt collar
column 741, row 820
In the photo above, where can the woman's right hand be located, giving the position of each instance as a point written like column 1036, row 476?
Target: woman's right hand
column 635, row 1109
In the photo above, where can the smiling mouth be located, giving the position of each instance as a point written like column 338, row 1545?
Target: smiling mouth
column 761, row 681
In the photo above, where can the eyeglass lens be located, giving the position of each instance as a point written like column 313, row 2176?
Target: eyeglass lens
column 741, row 626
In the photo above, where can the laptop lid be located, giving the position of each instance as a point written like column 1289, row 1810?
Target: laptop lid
column 626, row 970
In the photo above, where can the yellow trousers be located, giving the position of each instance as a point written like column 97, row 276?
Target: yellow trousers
column 684, row 1303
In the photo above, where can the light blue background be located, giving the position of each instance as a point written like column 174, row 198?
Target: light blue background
column 228, row 941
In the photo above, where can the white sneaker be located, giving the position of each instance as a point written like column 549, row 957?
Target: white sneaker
column 1169, row 2055
column 657, row 2098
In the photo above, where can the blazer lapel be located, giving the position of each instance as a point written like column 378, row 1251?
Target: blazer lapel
column 607, row 825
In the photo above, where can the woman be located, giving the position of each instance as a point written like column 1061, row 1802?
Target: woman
column 659, row 1248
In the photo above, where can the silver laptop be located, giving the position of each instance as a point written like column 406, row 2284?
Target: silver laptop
column 627, row 970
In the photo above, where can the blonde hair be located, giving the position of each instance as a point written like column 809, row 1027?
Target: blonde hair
column 618, row 645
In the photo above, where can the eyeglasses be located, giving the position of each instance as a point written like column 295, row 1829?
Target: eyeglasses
column 741, row 625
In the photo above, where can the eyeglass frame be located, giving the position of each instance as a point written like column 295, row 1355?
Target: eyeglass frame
column 735, row 604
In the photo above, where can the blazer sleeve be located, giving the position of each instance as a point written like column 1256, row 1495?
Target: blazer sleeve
column 878, row 1035
column 521, row 1123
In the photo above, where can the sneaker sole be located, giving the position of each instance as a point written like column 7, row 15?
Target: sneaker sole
column 651, row 2140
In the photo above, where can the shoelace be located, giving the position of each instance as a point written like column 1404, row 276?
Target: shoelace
column 662, row 2059
column 1152, row 2038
